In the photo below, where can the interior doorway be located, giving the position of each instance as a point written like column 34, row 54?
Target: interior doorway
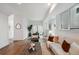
column 11, row 28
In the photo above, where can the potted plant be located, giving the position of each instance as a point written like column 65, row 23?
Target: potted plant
column 29, row 29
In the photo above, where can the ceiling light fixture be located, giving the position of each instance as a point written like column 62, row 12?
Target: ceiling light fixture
column 49, row 4
column 19, row 3
column 53, row 6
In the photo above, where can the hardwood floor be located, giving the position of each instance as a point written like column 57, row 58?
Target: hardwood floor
column 13, row 48
column 20, row 48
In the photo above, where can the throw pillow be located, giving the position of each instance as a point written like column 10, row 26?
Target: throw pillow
column 50, row 38
column 65, row 46
column 56, row 38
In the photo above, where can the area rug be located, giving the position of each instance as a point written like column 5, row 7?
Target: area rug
column 38, row 50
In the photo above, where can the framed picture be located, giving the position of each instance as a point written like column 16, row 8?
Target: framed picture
column 18, row 26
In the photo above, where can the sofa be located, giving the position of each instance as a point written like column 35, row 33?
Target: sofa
column 56, row 47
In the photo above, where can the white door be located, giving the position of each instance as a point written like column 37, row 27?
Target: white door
column 11, row 27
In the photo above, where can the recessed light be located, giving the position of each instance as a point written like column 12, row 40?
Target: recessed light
column 19, row 3
column 49, row 4
column 53, row 6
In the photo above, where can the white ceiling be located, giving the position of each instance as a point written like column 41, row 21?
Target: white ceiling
column 61, row 7
column 32, row 11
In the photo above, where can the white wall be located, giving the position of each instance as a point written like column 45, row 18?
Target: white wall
column 74, row 16
column 3, row 30
column 18, row 33
column 11, row 26
column 46, row 27
column 25, row 30
column 71, row 35
column 31, row 22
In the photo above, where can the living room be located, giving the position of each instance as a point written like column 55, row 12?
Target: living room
column 39, row 29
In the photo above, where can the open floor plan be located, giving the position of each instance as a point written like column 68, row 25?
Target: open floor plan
column 39, row 28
